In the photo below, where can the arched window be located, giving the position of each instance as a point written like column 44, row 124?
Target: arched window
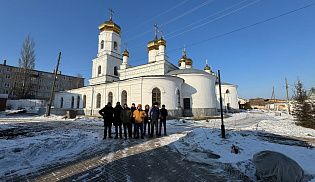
column 178, row 98
column 115, row 71
column 102, row 44
column 156, row 96
column 72, row 102
column 99, row 70
column 115, row 45
column 78, row 102
column 227, row 91
column 84, row 101
column 98, row 100
column 123, row 97
column 61, row 102
column 110, row 97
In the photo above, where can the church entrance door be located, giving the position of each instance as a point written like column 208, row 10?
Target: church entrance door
column 187, row 108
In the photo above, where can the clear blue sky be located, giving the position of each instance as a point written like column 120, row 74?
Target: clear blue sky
column 255, row 58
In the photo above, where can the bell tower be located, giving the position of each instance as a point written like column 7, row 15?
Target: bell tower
column 109, row 58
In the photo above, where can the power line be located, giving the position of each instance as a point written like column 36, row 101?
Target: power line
column 200, row 20
column 174, row 19
column 249, row 26
column 158, row 15
column 212, row 20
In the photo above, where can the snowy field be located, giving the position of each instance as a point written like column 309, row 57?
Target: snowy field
column 29, row 143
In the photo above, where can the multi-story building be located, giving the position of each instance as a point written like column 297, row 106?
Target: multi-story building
column 38, row 84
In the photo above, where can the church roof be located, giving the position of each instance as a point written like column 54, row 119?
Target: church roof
column 109, row 25
column 186, row 71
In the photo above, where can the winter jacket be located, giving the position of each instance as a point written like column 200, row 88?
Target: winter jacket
column 117, row 119
column 163, row 113
column 154, row 113
column 132, row 118
column 107, row 112
column 139, row 116
column 125, row 115
column 146, row 118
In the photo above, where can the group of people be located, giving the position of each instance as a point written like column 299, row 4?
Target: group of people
column 134, row 118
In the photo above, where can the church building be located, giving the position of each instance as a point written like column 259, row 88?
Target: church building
column 184, row 91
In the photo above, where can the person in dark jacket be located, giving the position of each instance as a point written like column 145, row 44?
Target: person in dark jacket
column 133, row 108
column 163, row 115
column 107, row 112
column 154, row 116
column 117, row 120
column 126, row 116
column 146, row 120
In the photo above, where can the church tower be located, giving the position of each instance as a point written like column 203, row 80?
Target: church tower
column 109, row 58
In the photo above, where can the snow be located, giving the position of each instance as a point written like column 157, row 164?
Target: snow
column 56, row 140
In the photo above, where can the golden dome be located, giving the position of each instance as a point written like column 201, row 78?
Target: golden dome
column 153, row 45
column 125, row 53
column 185, row 59
column 207, row 67
column 161, row 41
column 109, row 26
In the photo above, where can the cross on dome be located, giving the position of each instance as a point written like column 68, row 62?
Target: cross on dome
column 111, row 12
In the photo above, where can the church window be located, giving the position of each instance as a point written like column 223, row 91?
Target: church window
column 72, row 102
column 227, row 91
column 99, row 70
column 102, row 44
column 78, row 102
column 84, row 101
column 61, row 102
column 115, row 45
column 98, row 100
column 178, row 98
column 156, row 96
column 115, row 71
column 110, row 97
column 123, row 97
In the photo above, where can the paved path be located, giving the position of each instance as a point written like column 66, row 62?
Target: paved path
column 138, row 160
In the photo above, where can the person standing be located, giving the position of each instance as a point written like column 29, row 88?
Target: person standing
column 126, row 116
column 146, row 120
column 164, row 114
column 154, row 115
column 117, row 120
column 139, row 116
column 107, row 113
column 133, row 108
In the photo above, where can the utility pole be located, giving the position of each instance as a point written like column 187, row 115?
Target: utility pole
column 273, row 97
column 221, row 108
column 287, row 90
column 53, row 86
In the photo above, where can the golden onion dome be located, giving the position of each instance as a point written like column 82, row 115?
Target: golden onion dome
column 185, row 59
column 109, row 26
column 153, row 45
column 207, row 67
column 125, row 53
column 161, row 41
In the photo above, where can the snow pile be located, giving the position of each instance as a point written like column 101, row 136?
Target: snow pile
column 27, row 154
column 283, row 125
column 205, row 144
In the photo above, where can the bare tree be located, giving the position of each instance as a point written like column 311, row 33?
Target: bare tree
column 27, row 64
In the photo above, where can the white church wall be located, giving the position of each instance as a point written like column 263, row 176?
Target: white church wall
column 201, row 89
column 231, row 97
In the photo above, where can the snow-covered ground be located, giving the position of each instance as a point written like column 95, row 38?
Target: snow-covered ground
column 40, row 142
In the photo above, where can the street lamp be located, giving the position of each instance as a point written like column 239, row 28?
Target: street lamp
column 221, row 108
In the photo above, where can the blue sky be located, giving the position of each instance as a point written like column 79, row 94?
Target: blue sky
column 255, row 58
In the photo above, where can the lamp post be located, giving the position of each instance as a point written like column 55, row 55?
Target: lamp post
column 221, row 108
